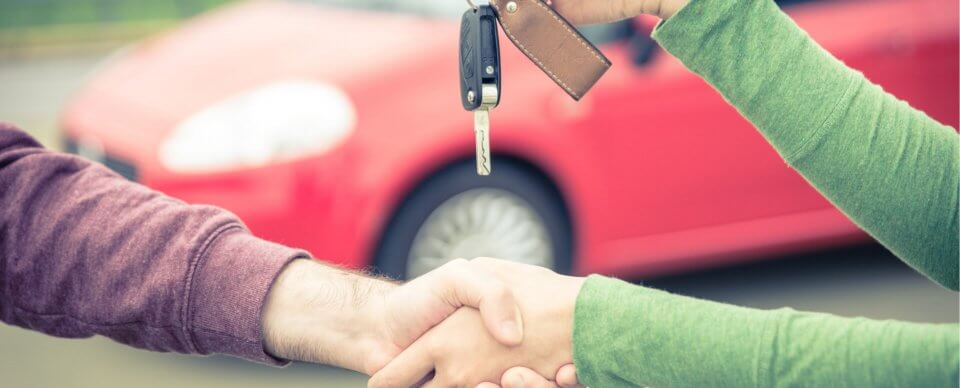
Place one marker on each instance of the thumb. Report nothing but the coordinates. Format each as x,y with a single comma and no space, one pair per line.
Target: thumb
567,377
439,293
520,377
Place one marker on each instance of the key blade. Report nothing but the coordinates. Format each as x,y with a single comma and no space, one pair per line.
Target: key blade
481,128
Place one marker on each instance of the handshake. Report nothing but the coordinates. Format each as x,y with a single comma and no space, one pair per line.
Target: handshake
478,323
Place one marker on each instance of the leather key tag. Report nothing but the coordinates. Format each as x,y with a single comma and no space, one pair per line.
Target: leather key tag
552,43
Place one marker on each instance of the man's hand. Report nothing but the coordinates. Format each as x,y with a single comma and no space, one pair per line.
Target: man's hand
318,313
606,11
459,352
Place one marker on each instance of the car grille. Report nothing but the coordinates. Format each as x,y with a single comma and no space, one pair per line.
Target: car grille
124,168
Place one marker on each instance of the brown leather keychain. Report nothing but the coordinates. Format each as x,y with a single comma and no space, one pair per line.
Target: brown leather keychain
540,33
552,44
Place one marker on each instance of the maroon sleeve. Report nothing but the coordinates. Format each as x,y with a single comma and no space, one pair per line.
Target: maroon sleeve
85,252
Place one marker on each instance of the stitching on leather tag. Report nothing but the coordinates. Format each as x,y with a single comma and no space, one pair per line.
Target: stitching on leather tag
536,60
575,35
596,54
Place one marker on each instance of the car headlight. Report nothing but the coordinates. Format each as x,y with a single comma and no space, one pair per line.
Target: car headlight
278,121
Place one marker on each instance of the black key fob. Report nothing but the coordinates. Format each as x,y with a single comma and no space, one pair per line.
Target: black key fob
479,56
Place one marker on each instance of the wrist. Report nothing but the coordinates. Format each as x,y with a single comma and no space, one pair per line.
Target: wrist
322,314
548,309
567,292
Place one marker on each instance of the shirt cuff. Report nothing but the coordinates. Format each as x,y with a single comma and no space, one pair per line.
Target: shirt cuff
228,291
583,340
601,310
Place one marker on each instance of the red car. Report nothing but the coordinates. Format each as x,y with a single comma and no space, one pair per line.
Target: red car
340,130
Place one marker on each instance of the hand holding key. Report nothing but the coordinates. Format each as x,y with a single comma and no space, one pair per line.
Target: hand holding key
596,12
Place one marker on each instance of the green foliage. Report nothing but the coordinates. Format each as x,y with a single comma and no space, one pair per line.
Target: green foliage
15,14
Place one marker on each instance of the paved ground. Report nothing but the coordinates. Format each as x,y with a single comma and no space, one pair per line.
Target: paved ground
865,281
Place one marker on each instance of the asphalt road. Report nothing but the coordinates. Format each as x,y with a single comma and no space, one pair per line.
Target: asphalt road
858,281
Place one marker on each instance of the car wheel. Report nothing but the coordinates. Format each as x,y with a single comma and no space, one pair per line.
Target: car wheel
513,214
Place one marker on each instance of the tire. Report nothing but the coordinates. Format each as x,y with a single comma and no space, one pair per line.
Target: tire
515,211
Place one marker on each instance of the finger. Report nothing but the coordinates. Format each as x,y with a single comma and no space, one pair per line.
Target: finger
567,377
436,383
520,377
505,269
461,284
411,368
487,385
496,265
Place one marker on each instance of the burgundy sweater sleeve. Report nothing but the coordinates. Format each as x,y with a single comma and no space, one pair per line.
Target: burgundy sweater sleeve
86,252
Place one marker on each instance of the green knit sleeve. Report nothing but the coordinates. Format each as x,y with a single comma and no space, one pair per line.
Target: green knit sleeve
626,335
890,168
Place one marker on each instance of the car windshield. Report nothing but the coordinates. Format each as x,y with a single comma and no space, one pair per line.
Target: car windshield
432,8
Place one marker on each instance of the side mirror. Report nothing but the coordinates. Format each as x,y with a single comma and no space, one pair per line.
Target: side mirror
641,45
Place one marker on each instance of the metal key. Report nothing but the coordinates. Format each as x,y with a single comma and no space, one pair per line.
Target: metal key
480,75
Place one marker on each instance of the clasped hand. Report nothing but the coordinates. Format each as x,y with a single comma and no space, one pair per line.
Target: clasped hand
458,352
464,324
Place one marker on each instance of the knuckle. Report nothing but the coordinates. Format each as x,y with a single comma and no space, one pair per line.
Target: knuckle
456,264
451,269
436,349
457,378
376,382
484,261
544,271
500,291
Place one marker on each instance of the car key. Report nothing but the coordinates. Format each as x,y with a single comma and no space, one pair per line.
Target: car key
480,75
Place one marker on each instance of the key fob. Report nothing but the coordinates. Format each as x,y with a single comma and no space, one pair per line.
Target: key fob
479,55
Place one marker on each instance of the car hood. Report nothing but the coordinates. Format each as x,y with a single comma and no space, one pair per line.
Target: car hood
165,79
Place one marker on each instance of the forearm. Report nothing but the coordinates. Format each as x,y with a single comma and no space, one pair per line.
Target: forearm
893,170
320,313
85,252
626,333
629,334
326,315
814,349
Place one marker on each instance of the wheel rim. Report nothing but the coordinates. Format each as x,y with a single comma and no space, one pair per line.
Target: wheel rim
481,222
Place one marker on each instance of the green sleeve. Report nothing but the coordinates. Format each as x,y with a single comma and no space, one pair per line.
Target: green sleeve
890,168
626,335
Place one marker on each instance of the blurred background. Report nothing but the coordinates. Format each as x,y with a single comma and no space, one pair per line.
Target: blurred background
336,126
